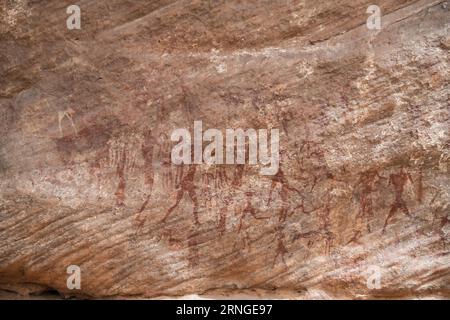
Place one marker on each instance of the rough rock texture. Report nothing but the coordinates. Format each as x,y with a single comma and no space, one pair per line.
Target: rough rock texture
85,171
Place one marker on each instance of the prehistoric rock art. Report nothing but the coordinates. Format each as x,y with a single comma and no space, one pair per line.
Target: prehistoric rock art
248,210
398,181
281,250
186,185
366,184
147,149
87,179
66,114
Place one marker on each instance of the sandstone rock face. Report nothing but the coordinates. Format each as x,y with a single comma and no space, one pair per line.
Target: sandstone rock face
86,178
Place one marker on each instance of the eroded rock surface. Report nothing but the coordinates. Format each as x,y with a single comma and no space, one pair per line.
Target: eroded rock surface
86,176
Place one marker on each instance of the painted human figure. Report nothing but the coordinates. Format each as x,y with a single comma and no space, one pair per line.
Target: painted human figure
147,148
308,147
120,171
164,155
280,178
420,185
398,181
323,231
238,175
366,182
324,225
248,210
222,221
147,153
220,177
443,222
283,118
186,185
213,180
281,250
234,180
244,239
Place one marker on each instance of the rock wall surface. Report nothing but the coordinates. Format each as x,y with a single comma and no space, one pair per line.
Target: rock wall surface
86,177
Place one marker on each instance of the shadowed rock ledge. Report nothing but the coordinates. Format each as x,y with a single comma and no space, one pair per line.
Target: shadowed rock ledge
85,171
